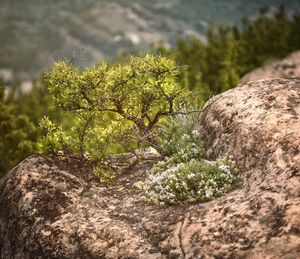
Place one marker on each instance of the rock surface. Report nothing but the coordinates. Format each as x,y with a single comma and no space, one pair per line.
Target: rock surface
52,208
286,68
259,125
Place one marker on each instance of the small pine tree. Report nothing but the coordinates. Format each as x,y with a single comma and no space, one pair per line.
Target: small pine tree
115,107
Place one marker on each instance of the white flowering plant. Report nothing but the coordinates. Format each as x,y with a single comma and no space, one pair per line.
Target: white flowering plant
184,175
196,180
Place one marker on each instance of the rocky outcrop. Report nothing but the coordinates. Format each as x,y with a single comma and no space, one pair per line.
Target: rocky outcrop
259,125
286,68
52,208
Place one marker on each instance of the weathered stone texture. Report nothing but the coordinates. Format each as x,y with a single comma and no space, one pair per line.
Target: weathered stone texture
50,208
259,125
286,68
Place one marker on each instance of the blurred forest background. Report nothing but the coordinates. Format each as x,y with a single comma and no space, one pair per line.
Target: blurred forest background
219,41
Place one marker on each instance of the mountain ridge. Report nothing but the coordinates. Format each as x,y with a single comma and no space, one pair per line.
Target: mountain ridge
43,32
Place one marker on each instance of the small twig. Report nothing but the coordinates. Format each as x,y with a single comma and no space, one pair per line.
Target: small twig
76,55
180,234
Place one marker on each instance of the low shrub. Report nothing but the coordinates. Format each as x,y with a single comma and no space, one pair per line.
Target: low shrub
184,175
178,138
195,180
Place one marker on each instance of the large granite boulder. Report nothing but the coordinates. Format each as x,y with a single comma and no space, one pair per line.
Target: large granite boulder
51,207
285,68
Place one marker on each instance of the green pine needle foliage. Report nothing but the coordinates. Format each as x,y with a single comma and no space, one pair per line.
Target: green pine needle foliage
17,135
115,108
